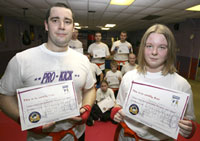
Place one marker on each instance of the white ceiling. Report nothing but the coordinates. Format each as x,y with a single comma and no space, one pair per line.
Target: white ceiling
127,18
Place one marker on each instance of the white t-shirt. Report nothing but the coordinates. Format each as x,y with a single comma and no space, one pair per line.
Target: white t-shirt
76,45
37,66
95,71
172,81
127,67
95,46
121,57
112,78
102,95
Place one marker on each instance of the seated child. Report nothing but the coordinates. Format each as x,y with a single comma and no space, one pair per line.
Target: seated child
113,77
102,93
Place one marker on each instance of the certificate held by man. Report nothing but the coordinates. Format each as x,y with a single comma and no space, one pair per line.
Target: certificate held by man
157,107
42,104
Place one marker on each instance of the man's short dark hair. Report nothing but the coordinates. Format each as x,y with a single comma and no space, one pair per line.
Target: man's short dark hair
56,5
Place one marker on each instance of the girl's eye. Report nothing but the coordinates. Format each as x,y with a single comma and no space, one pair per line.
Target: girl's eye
148,46
163,47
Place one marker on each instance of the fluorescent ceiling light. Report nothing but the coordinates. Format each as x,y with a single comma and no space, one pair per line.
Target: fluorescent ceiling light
121,2
76,24
194,8
110,25
78,27
105,28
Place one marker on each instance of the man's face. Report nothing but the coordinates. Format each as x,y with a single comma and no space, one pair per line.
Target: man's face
98,37
132,59
75,34
123,37
60,26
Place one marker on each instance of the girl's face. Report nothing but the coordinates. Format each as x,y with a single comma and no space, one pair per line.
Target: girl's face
155,52
104,87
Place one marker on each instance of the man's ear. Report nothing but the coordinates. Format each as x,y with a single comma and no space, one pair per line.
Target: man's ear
46,25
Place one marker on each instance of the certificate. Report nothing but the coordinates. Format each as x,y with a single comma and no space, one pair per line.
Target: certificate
123,50
40,105
99,53
106,104
113,80
157,107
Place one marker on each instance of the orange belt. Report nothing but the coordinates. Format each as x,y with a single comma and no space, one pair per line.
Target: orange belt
127,132
119,62
57,136
99,64
115,89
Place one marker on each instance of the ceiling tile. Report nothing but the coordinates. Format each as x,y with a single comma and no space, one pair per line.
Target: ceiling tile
166,3
38,3
144,3
78,4
150,11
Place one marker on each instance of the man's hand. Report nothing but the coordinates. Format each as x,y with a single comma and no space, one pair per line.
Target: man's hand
83,116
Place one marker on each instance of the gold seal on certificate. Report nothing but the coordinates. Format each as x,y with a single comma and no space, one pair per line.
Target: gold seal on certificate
42,104
157,107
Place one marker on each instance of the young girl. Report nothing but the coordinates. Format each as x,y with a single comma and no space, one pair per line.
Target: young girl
101,94
113,77
156,60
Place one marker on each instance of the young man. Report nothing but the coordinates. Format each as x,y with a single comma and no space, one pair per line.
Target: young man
121,48
130,65
38,65
156,65
74,43
99,51
96,71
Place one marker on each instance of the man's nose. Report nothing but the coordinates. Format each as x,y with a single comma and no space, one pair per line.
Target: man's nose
62,25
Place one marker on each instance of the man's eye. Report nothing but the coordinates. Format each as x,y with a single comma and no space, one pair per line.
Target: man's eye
54,20
68,22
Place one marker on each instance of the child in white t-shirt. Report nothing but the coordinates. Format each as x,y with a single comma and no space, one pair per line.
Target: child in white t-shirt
113,77
102,93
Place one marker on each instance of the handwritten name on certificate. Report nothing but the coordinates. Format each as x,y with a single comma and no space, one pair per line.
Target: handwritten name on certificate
39,105
157,107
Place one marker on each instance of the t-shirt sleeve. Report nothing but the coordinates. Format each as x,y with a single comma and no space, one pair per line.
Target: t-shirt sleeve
122,92
98,98
107,51
113,46
112,94
11,79
89,80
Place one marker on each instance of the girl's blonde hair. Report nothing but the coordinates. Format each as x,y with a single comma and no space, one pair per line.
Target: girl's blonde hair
169,66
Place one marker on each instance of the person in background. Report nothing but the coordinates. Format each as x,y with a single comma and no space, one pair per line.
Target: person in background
96,71
156,65
39,65
113,77
74,43
99,51
121,49
96,114
130,65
